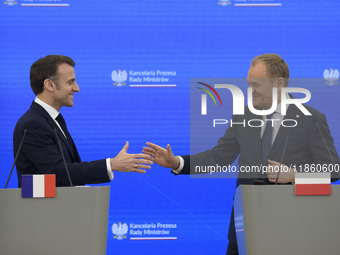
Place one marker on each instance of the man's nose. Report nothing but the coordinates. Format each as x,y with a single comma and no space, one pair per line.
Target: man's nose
76,87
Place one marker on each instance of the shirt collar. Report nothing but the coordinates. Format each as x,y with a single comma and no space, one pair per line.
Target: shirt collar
49,109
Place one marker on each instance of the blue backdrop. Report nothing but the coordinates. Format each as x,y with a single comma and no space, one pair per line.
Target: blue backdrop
159,43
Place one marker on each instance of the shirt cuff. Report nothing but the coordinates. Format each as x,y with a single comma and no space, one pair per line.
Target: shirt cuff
109,170
181,165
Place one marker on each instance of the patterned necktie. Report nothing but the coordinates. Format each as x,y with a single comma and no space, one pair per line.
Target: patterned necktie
266,140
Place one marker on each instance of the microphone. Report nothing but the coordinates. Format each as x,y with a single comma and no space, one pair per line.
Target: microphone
324,141
26,127
283,154
54,126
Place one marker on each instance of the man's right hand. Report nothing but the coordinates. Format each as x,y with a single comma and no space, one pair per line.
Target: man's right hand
125,162
163,157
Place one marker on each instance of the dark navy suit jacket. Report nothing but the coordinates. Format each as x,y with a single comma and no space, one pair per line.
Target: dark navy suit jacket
304,146
40,153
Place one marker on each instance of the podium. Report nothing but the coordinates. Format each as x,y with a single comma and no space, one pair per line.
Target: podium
272,220
74,222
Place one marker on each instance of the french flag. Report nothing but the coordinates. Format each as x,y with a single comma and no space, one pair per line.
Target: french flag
38,185
312,184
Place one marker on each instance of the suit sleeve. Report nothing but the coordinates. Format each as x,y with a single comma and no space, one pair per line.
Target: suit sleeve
40,154
222,155
319,150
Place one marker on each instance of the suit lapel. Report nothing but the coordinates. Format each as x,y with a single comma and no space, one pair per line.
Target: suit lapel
62,138
293,113
66,141
255,133
74,151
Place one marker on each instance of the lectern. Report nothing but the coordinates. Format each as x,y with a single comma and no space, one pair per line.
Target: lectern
270,219
74,222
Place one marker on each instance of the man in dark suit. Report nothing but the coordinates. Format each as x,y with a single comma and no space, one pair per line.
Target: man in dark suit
263,145
53,82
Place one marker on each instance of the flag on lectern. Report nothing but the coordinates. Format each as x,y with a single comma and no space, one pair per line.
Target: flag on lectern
38,185
312,184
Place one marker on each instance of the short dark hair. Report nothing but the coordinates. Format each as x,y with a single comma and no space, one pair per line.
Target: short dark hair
277,67
46,68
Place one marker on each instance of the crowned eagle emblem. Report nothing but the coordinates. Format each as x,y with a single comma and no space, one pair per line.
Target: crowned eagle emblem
224,3
331,76
119,230
10,2
119,77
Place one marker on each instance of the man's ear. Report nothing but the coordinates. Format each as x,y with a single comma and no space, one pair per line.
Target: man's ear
49,85
280,82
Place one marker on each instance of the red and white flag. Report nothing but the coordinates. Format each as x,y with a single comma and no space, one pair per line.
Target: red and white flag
312,184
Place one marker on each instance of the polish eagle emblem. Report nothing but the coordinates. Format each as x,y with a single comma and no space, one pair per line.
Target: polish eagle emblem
119,230
10,2
224,3
119,77
331,76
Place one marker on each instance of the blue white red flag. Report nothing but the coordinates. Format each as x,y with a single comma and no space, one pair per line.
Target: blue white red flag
38,185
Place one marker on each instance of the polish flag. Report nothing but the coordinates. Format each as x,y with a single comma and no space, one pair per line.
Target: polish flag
312,184
38,185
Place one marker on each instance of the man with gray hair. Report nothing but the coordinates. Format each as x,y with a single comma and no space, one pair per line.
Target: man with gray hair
263,145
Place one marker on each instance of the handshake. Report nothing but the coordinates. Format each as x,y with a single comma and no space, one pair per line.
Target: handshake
125,162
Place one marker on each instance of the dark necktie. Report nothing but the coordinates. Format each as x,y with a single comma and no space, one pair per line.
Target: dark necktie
266,140
70,141
62,124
